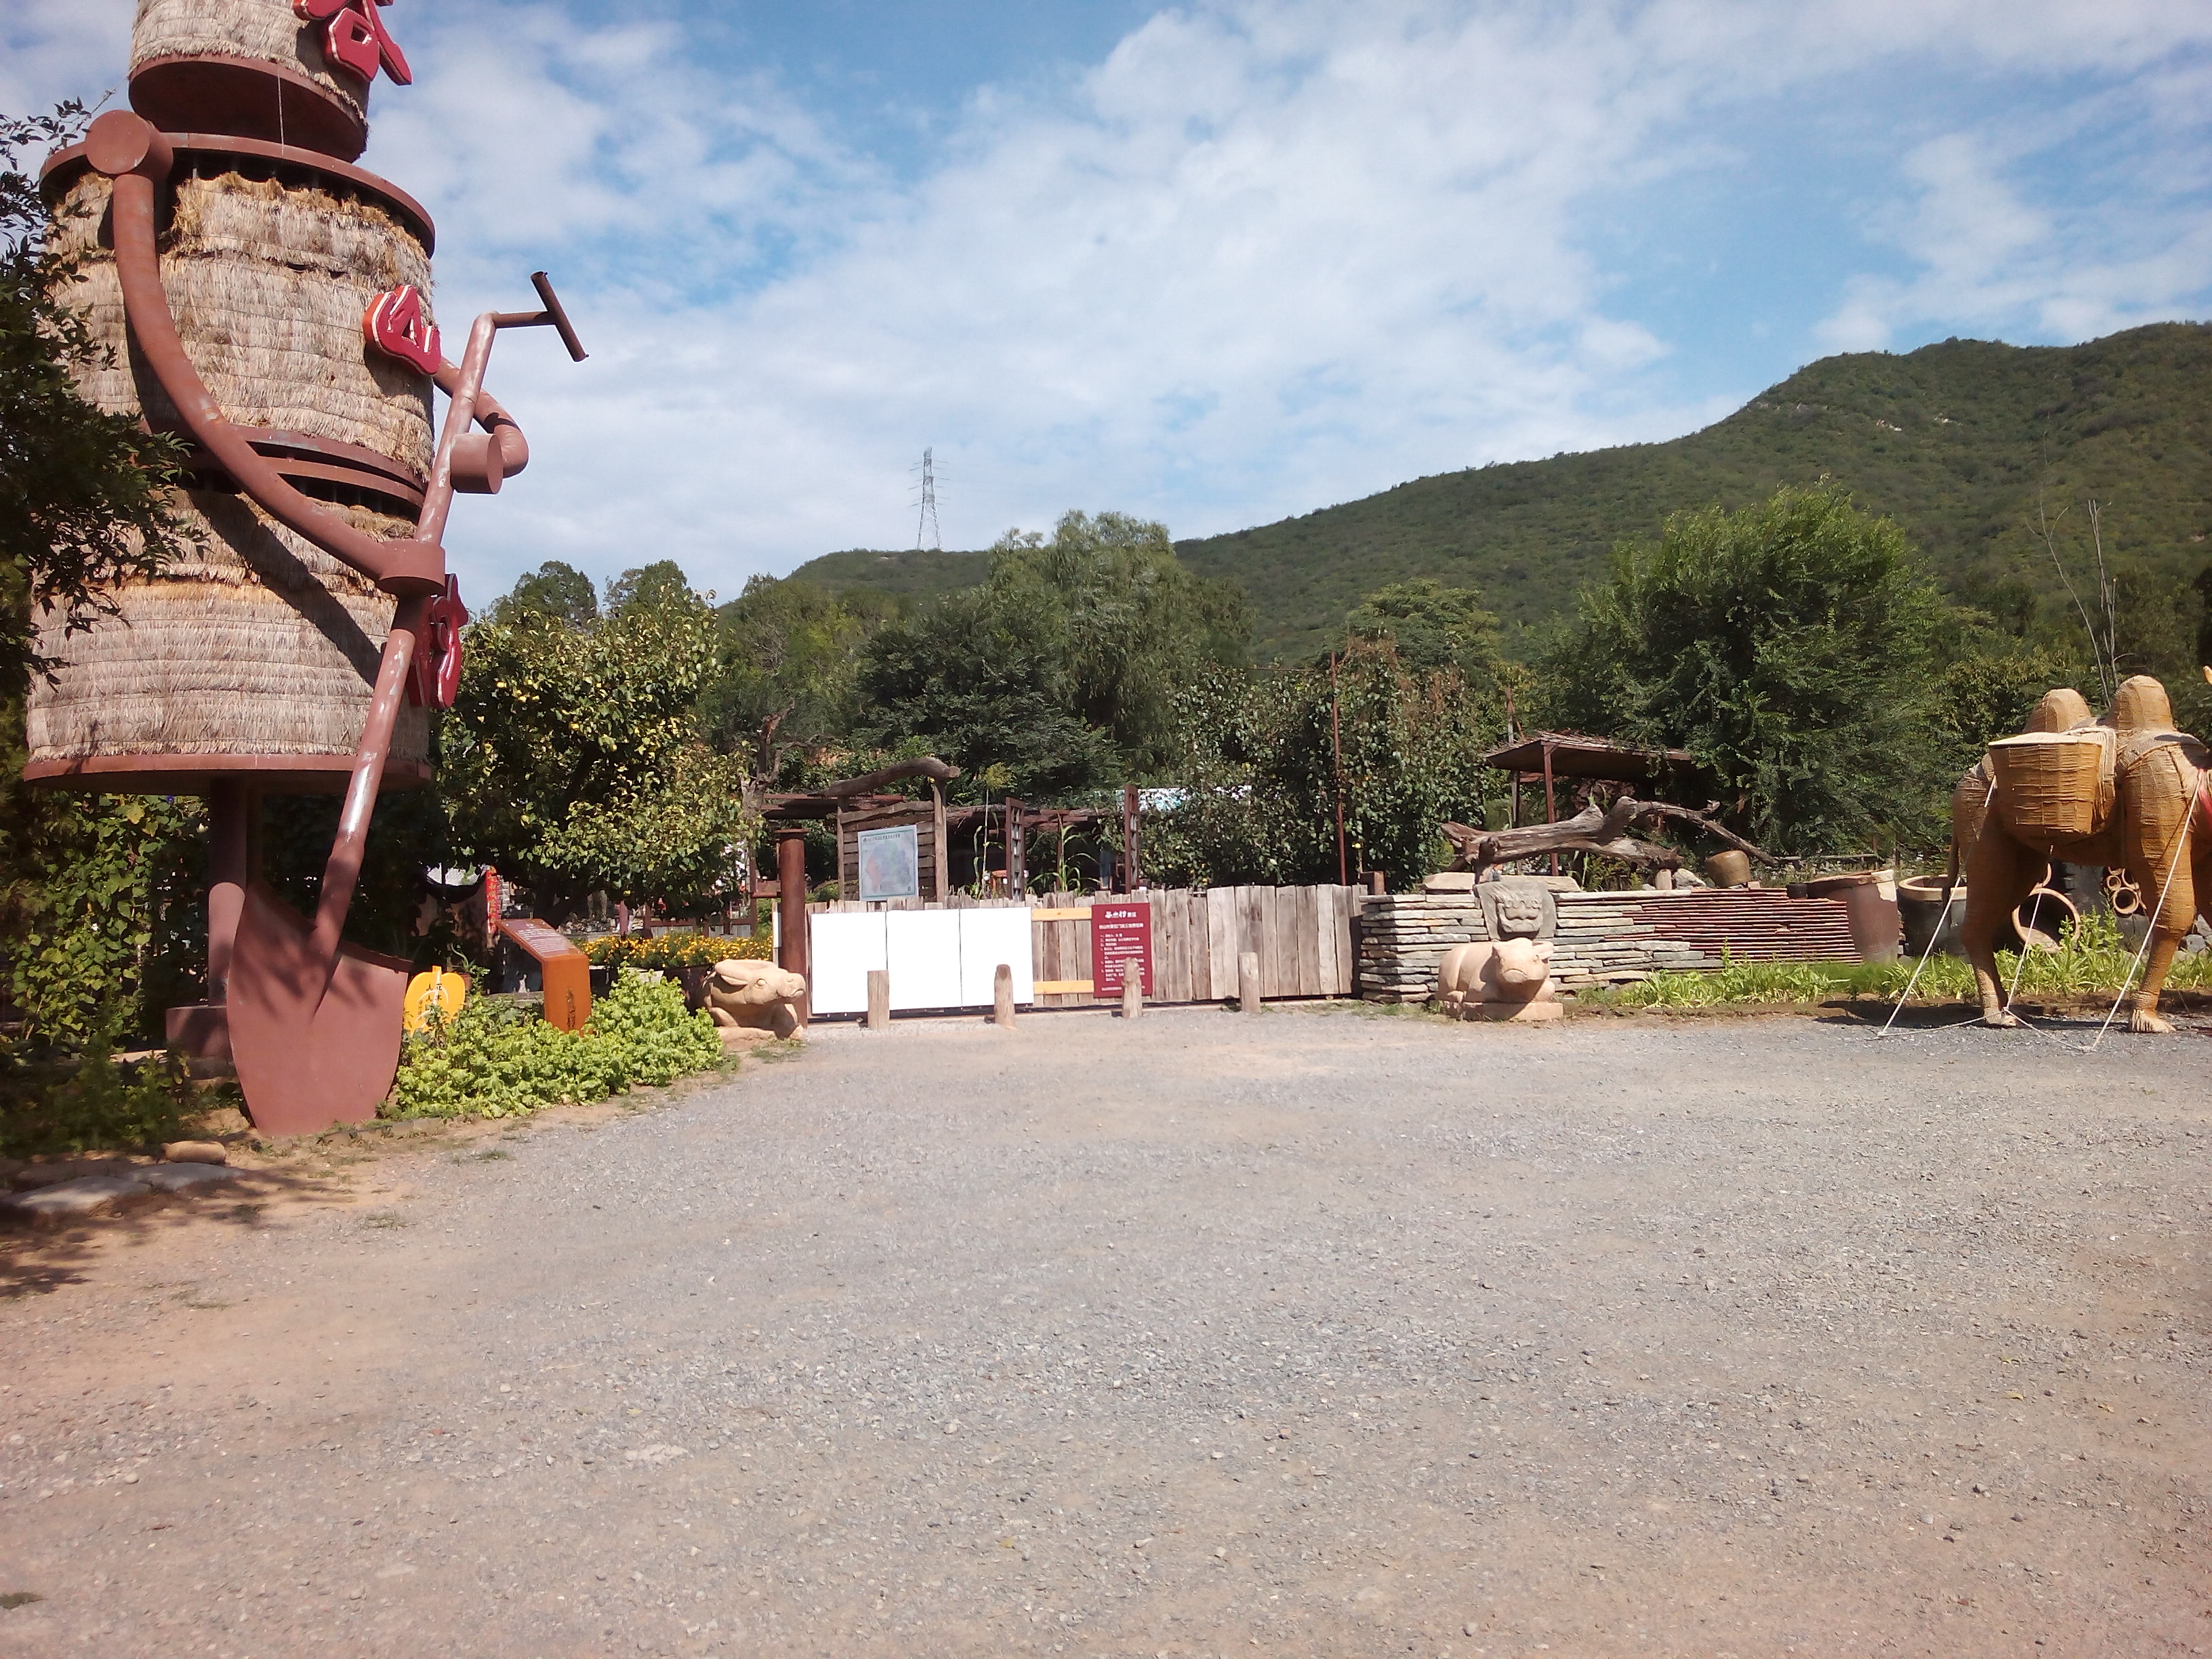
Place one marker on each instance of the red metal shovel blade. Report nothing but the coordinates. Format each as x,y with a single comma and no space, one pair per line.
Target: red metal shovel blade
315,1042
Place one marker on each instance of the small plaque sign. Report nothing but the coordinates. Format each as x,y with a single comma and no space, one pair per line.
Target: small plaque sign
1121,935
565,971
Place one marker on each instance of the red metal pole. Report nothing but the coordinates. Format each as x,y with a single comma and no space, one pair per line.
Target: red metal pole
228,872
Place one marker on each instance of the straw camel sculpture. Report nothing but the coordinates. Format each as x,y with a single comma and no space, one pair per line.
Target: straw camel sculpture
266,298
2127,792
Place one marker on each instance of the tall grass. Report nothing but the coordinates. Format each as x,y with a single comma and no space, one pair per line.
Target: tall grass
2091,960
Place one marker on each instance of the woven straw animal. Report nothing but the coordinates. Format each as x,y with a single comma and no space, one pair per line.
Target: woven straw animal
2127,793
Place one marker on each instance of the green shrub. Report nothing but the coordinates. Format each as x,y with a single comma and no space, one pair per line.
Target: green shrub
2092,960
500,1059
94,1105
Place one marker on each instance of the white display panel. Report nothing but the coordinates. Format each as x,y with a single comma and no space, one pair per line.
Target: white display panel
988,938
936,958
847,945
924,950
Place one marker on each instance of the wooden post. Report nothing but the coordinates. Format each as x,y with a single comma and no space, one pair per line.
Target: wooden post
1551,811
1378,882
1002,996
944,853
879,998
794,952
1336,749
1248,982
1132,875
1017,852
1133,992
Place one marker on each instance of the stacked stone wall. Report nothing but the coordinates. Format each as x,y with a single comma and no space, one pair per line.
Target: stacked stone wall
1602,939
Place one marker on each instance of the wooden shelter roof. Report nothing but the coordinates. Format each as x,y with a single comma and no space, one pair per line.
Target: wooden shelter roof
1574,756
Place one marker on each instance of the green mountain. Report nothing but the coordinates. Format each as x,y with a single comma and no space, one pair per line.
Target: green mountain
1960,442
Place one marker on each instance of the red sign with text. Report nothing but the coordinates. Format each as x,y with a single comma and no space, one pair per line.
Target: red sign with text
1120,933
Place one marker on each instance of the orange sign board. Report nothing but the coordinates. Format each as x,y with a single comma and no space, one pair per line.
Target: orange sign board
565,971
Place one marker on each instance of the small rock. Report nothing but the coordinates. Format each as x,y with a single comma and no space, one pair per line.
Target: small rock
183,1177
195,1152
67,1201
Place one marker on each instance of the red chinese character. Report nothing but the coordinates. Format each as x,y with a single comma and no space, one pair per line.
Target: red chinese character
356,38
395,325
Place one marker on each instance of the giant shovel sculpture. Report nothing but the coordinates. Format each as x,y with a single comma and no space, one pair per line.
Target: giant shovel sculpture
315,1022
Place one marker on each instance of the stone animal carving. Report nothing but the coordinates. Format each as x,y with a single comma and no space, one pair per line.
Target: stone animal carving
753,1002
1498,979
2126,793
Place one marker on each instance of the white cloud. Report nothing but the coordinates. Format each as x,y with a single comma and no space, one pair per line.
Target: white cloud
1268,254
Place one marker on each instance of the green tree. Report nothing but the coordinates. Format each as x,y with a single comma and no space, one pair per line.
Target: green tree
86,498
1790,646
1065,666
1257,762
1433,627
554,589
92,888
787,669
575,759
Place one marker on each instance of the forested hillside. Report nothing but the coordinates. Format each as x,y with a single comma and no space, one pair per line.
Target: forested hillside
1959,442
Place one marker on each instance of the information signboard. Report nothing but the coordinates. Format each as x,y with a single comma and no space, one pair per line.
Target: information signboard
1120,933
891,864
565,971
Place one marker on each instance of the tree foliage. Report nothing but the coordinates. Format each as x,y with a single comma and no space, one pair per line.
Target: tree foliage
1790,646
575,759
1257,765
1064,667
1432,627
789,659
86,498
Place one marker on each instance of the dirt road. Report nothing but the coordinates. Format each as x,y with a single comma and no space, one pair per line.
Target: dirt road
1325,1333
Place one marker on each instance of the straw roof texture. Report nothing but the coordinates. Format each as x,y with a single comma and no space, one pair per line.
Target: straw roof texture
263,29
259,644
268,282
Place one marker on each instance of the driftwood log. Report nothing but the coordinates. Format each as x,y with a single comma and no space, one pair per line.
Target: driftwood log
1603,831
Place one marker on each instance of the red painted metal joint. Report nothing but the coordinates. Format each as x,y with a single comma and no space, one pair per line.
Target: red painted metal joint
434,677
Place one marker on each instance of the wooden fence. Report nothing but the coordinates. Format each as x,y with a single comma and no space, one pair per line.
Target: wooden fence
1302,936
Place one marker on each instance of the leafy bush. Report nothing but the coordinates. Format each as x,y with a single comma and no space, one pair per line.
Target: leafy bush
2092,960
95,1105
500,1059
675,951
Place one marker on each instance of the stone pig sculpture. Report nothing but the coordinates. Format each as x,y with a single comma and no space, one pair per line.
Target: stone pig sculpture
1508,979
752,1002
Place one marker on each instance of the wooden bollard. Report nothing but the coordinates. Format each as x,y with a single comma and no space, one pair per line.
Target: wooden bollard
1248,982
879,998
1132,993
1002,998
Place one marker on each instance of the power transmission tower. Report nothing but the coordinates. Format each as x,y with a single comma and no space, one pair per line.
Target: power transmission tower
925,534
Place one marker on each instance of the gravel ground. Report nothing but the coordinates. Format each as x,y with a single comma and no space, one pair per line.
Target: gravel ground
1324,1333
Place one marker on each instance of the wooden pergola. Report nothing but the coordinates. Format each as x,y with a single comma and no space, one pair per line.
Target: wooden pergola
1545,756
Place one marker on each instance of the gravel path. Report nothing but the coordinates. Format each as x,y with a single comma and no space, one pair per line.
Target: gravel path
1326,1333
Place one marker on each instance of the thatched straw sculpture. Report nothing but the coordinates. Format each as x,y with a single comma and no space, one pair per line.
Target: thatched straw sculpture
256,657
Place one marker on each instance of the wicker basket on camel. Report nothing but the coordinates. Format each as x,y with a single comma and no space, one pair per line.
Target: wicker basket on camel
253,656
2055,786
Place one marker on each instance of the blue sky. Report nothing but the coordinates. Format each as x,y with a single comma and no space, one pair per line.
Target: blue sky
1221,263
